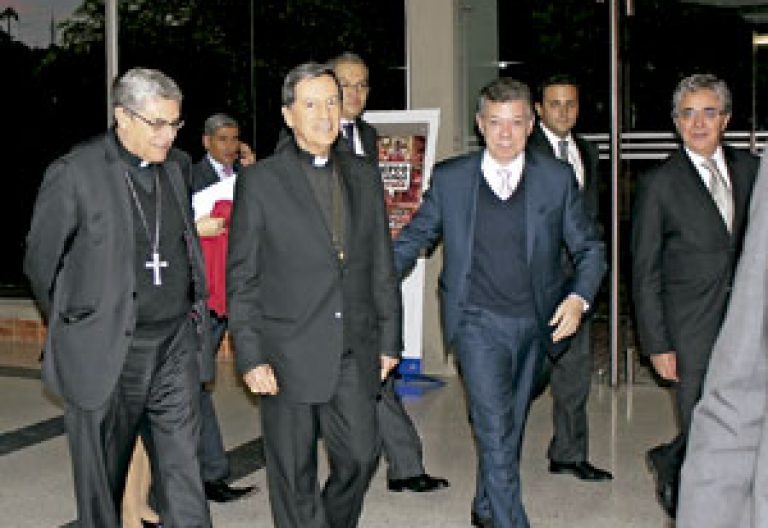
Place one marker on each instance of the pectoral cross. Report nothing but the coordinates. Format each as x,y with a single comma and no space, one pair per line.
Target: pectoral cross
155,264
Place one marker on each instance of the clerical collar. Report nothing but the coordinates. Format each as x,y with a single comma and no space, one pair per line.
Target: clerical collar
310,159
128,157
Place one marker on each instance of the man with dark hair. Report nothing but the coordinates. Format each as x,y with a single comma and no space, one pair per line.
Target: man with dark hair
213,182
314,306
503,215
570,376
687,231
400,441
114,263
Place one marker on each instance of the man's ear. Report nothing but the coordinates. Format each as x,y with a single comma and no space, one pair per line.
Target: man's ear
287,116
121,117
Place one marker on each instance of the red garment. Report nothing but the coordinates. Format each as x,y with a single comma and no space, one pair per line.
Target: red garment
215,255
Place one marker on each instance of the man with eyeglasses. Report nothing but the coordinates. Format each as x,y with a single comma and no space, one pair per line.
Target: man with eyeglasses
503,215
687,229
115,266
400,441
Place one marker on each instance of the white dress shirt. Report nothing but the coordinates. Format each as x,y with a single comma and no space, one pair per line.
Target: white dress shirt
574,156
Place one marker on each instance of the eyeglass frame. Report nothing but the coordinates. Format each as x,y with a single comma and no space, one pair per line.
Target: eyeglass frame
358,87
158,124
709,113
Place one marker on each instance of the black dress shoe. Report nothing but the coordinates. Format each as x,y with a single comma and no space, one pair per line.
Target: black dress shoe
582,470
666,492
220,491
149,524
480,522
666,486
418,484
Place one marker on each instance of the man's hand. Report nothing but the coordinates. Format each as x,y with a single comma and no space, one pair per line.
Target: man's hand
208,226
261,380
387,364
567,317
665,365
247,156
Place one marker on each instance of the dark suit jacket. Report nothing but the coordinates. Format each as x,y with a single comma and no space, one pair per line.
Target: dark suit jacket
369,138
203,174
80,264
554,216
683,257
589,157
291,304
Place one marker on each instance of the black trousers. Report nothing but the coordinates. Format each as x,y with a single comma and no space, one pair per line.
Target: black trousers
157,394
570,382
400,441
214,464
347,424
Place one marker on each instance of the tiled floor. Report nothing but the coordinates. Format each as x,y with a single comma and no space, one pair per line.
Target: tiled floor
36,488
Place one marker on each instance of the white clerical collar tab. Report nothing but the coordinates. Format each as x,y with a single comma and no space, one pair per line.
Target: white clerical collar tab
319,161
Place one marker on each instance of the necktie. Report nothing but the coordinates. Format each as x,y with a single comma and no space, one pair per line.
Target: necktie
506,187
562,149
349,134
721,195
227,170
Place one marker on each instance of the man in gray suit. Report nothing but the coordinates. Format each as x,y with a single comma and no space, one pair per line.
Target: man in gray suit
725,474
400,441
314,306
114,263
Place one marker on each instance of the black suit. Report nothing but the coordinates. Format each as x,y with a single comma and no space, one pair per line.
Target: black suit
321,324
80,262
369,138
683,260
400,441
570,376
202,175
214,464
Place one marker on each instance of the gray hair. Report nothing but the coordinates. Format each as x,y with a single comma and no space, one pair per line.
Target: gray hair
348,57
504,90
702,81
217,121
139,84
308,70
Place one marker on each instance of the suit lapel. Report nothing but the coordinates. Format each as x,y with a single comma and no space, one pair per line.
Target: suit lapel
740,191
117,174
689,177
536,200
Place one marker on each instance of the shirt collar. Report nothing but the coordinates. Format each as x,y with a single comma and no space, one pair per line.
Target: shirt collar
554,139
698,159
490,165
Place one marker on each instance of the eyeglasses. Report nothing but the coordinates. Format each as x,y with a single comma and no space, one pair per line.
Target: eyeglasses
158,124
358,87
709,113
